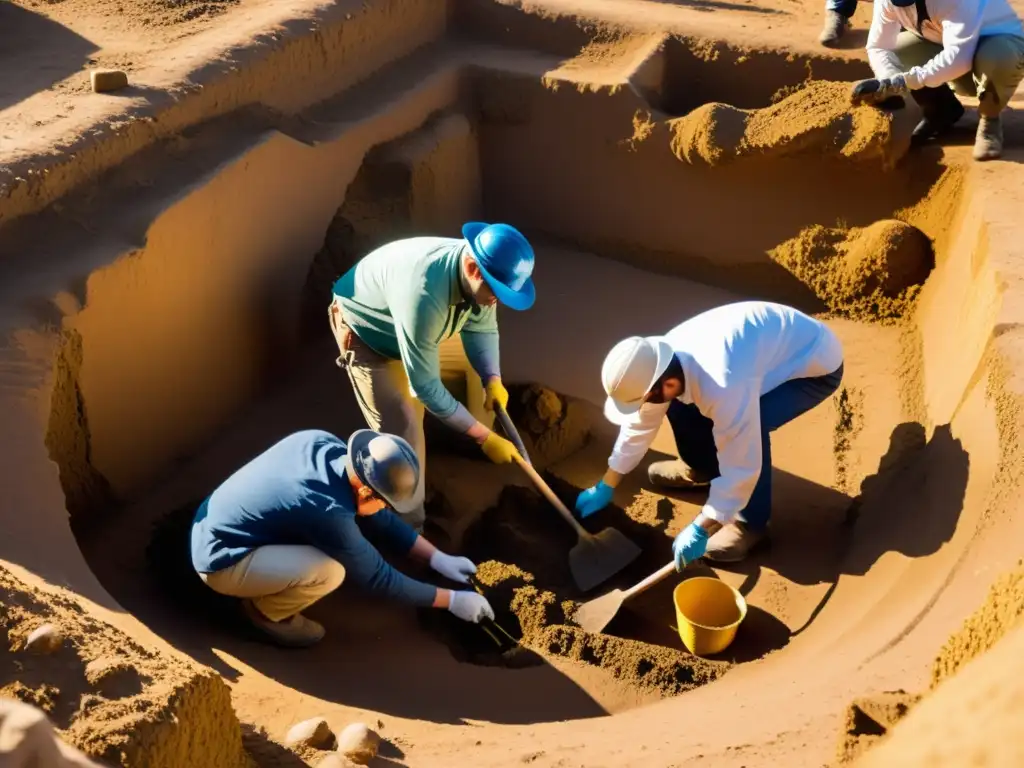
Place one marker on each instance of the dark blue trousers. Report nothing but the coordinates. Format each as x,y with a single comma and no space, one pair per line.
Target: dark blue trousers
696,443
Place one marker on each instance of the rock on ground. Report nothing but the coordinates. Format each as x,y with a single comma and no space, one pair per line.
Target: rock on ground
358,743
315,733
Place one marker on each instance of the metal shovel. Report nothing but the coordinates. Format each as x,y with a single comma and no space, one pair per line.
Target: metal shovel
596,557
594,615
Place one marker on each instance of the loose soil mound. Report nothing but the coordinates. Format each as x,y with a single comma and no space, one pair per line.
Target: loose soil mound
552,426
535,600
109,696
871,273
816,117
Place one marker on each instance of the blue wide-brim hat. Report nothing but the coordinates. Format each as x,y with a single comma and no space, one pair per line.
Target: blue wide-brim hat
505,259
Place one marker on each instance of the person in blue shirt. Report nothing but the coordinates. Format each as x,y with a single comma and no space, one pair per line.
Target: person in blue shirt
287,528
392,310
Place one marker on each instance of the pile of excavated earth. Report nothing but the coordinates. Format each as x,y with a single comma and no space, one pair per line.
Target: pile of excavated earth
182,182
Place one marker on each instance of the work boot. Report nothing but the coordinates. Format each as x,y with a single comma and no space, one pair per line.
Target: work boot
988,142
833,29
676,474
942,110
294,632
733,543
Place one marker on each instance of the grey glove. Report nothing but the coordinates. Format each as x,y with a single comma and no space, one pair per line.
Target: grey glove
878,91
470,606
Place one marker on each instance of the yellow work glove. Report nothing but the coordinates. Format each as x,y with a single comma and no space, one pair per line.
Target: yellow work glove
495,392
499,450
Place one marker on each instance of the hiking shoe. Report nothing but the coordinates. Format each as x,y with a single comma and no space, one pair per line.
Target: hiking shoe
676,474
733,543
833,29
294,632
988,142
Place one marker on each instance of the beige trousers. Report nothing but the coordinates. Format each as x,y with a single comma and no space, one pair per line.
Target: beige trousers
280,579
998,67
385,397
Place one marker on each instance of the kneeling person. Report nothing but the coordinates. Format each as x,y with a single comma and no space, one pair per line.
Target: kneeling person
725,379
288,527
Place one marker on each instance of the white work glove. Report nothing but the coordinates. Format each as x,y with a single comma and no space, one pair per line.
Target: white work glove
470,606
455,568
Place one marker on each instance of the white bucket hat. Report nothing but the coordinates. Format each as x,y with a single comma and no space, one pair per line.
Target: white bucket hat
629,371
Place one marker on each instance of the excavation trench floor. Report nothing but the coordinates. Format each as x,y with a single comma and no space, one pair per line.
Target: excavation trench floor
383,661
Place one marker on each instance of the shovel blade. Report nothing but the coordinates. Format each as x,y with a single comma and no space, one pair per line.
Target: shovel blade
596,614
597,558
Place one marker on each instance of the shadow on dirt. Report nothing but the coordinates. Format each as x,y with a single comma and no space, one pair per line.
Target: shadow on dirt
911,505
36,53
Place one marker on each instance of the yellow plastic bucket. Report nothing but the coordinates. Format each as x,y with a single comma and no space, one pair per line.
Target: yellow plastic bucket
708,613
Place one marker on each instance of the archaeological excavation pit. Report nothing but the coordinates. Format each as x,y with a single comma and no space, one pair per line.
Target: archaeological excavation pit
653,183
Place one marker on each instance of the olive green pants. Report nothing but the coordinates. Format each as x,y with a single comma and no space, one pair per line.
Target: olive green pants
998,67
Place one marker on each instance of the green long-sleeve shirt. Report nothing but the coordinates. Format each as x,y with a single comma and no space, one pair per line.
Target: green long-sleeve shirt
404,299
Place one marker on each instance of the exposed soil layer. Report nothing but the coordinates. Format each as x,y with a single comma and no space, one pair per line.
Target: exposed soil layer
105,693
535,600
870,719
815,117
1000,613
870,273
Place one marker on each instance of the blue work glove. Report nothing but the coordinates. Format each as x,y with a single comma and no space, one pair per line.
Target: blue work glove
689,545
594,499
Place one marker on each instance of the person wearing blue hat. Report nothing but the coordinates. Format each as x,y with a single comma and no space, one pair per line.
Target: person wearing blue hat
287,528
396,305
930,49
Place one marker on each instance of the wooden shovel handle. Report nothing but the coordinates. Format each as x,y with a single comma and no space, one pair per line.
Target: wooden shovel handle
550,496
650,581
510,430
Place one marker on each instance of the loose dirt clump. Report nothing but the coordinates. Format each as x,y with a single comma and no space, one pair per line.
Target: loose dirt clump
816,117
551,425
535,600
870,273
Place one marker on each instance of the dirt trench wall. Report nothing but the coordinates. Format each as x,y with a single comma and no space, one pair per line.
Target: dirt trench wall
285,70
564,163
178,335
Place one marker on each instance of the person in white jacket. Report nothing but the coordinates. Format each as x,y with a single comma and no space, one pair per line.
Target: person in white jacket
726,379
931,48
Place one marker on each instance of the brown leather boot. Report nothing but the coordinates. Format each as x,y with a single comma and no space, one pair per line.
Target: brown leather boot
733,543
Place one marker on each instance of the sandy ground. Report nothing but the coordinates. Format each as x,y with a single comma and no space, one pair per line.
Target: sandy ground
907,477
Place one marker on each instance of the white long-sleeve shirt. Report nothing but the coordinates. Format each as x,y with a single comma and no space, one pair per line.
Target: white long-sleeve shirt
956,25
731,355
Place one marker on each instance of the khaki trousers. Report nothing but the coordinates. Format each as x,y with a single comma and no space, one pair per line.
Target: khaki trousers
998,67
385,397
280,579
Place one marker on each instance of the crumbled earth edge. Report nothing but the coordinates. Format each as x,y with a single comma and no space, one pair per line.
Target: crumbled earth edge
870,719
107,695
